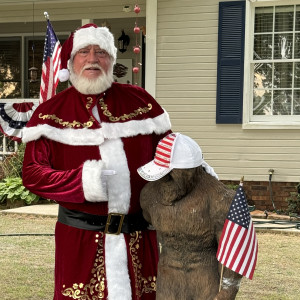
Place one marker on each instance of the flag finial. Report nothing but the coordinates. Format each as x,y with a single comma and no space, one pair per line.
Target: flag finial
46,15
242,180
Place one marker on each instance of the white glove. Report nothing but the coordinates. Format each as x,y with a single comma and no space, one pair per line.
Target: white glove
104,177
108,172
94,180
209,170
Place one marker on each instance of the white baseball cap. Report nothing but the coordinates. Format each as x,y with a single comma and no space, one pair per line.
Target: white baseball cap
175,151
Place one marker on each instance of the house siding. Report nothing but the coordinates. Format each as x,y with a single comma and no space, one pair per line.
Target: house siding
186,79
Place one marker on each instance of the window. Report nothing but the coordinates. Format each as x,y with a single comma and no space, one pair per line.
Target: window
7,146
272,64
10,71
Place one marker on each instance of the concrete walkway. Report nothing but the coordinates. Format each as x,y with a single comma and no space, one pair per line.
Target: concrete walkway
47,210
262,221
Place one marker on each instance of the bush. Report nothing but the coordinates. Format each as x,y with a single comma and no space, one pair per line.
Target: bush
12,164
294,202
13,190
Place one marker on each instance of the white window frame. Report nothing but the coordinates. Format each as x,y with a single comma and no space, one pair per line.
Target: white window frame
249,120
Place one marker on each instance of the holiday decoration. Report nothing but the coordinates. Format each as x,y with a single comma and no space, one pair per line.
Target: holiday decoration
14,117
136,48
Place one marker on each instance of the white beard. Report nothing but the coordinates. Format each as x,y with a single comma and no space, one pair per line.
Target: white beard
91,86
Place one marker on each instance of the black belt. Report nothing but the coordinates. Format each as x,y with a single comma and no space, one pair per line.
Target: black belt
113,223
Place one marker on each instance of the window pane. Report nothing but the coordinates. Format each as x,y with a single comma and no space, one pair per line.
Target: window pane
10,60
282,102
297,45
10,89
10,70
262,102
296,102
283,75
297,75
262,76
297,27
284,18
263,19
263,46
283,46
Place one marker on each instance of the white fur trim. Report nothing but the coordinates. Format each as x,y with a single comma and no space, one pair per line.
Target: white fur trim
100,36
63,75
158,125
69,136
116,268
119,194
119,190
86,136
94,185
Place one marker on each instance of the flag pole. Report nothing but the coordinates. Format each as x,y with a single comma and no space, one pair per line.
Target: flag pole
221,278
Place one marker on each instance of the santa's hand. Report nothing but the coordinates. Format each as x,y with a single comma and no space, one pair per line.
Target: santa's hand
94,180
208,169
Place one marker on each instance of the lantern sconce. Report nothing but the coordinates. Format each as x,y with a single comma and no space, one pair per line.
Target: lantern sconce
33,74
33,71
123,42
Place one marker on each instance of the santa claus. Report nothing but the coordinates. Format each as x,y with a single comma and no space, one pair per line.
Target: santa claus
83,149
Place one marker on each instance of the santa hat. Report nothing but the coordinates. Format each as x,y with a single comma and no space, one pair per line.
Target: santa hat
89,34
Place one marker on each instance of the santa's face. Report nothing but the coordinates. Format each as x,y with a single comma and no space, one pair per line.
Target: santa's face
91,62
91,70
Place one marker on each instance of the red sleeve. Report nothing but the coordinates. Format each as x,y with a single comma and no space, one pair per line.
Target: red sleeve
40,178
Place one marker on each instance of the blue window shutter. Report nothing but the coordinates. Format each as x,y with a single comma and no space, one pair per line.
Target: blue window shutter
230,62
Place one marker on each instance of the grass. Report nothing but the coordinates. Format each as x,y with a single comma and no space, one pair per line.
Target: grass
277,273
27,263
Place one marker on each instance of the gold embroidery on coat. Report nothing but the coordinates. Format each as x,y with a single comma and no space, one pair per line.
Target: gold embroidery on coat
89,102
68,124
94,290
135,113
142,284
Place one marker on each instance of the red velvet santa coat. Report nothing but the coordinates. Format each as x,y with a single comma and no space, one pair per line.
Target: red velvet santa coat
66,150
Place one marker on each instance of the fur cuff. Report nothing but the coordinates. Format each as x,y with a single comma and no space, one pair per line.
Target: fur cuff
94,187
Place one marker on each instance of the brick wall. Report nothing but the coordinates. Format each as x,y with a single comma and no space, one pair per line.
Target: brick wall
258,193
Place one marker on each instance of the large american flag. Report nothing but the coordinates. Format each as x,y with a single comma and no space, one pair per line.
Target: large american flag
238,245
51,64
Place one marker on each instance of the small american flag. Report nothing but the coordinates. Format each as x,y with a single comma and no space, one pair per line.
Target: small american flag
51,64
238,245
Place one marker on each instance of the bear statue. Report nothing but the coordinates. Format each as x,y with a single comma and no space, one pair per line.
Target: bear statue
187,206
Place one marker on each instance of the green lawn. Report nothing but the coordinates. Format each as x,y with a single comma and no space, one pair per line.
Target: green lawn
27,263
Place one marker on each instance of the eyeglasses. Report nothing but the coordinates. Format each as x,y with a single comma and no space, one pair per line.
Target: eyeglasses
98,52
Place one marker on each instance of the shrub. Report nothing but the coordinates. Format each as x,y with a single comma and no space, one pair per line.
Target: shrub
294,202
13,190
12,164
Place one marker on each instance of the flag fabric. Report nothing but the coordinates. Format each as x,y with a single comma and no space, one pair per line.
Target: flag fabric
51,64
238,245
14,117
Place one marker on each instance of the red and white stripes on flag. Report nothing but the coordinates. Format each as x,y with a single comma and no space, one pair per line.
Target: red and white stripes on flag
51,64
238,245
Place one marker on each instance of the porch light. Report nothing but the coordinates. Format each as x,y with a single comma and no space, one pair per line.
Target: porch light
123,42
33,71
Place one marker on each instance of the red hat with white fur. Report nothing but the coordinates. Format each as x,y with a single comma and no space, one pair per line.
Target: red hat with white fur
89,34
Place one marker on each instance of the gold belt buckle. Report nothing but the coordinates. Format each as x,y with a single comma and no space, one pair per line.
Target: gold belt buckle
106,231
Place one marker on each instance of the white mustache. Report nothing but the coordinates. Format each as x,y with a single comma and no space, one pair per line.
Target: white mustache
94,66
